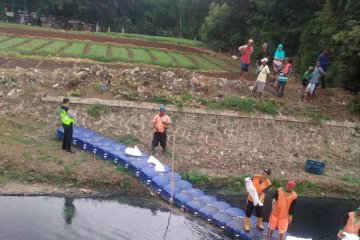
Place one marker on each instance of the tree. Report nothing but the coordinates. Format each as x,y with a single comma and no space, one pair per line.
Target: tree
216,27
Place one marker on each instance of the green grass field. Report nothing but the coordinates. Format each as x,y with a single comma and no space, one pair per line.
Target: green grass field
112,53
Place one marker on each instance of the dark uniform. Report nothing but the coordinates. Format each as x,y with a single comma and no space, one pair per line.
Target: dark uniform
67,123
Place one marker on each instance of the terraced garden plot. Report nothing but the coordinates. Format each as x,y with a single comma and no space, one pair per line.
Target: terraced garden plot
53,48
205,65
74,50
226,66
12,42
163,59
111,53
140,55
31,46
119,54
4,37
182,60
98,52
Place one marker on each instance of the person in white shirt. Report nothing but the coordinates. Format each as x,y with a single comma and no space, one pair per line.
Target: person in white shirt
259,86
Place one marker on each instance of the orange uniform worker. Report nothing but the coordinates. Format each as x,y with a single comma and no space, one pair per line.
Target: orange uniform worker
283,209
350,226
261,183
160,122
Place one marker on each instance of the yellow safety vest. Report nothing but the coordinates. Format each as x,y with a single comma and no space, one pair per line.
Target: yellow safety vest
65,119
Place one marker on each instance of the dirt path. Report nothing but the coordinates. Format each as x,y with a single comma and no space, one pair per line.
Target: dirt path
109,53
152,57
86,50
100,39
65,47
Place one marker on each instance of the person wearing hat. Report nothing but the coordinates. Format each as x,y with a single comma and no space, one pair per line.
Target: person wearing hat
67,121
262,184
350,227
261,78
284,203
160,123
261,55
246,51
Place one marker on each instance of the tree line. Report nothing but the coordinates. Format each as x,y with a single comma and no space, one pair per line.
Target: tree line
303,27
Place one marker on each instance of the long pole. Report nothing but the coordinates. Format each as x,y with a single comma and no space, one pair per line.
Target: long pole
172,170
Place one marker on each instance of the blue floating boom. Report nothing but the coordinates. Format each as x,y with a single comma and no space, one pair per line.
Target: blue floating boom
186,197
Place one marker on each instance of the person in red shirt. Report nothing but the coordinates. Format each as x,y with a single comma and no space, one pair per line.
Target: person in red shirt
160,123
246,52
283,209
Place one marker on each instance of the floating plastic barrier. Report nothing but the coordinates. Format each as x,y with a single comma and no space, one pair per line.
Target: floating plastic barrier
146,174
137,165
207,200
195,193
181,199
207,212
221,218
235,212
194,206
167,191
221,206
158,183
185,196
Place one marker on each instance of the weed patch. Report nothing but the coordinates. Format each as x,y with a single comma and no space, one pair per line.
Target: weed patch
129,140
197,178
97,110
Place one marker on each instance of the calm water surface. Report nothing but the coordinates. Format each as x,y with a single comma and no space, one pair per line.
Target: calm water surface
133,218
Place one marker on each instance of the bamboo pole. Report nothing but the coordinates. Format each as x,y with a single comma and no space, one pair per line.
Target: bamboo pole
172,170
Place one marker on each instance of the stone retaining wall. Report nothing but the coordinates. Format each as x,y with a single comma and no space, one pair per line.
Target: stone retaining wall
226,143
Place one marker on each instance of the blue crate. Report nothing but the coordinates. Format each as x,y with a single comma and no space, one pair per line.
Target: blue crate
315,167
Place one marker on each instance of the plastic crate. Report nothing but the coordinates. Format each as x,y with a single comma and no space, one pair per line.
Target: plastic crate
315,167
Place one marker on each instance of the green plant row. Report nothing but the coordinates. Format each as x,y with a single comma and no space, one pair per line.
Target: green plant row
181,41
112,53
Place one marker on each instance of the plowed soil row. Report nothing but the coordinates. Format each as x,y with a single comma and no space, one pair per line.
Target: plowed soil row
10,63
100,39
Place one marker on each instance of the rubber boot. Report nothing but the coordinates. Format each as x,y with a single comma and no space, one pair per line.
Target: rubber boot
247,224
259,224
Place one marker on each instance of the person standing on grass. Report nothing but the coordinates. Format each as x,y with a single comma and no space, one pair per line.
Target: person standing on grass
246,51
305,81
311,87
67,121
284,203
278,60
261,78
262,54
160,122
323,58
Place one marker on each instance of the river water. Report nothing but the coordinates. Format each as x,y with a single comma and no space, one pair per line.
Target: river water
132,218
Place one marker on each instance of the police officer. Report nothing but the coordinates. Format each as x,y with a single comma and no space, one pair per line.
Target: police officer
67,121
